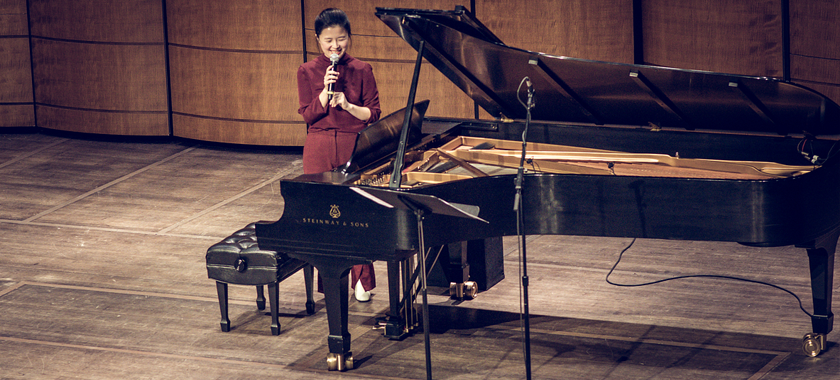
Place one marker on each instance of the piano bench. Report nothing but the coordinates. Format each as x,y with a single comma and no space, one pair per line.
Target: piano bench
239,260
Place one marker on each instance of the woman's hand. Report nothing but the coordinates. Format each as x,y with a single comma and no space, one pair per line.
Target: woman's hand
330,77
339,100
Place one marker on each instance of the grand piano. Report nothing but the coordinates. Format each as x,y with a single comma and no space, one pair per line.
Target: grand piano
613,149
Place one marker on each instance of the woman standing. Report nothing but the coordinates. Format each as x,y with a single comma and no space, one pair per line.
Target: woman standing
335,118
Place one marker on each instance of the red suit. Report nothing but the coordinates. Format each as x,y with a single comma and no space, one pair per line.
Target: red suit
332,131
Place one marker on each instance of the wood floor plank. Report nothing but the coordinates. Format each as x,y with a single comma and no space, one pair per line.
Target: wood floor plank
164,195
63,172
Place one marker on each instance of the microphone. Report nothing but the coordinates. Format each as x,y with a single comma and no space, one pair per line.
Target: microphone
530,93
334,61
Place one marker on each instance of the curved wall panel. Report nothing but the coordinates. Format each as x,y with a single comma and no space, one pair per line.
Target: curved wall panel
594,29
232,70
222,95
815,45
107,21
262,25
99,77
16,106
99,66
727,36
13,18
240,131
103,122
589,29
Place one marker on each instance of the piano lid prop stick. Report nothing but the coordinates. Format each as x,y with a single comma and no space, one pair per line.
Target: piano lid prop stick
399,161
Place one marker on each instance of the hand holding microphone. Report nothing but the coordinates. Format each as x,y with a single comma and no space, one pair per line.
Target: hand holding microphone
334,62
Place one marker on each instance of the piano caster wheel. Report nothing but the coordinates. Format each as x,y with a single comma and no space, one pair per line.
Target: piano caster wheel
465,290
338,362
470,289
348,362
813,344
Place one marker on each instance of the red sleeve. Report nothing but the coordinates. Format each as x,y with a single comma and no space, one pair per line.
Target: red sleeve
310,106
370,95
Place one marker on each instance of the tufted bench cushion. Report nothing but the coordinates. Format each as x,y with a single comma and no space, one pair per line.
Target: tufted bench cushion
238,260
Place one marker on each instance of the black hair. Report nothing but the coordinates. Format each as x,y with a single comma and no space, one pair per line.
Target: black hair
331,17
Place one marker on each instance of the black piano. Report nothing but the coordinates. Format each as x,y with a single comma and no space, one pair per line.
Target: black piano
614,150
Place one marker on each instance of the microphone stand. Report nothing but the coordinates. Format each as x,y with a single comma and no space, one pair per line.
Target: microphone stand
520,226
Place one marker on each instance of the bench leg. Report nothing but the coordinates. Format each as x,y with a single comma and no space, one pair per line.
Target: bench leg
260,298
308,279
274,300
222,290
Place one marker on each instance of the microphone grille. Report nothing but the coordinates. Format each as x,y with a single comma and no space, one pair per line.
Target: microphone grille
334,58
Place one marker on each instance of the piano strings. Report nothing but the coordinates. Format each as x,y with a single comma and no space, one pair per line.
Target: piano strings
469,157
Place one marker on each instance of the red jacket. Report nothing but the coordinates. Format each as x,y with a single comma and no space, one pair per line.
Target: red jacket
355,80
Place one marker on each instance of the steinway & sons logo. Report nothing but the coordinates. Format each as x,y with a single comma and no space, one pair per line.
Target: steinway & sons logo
335,214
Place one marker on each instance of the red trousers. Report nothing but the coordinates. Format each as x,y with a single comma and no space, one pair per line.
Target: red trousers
324,151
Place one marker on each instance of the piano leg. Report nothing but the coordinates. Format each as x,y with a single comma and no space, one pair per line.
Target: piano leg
336,296
334,272
821,261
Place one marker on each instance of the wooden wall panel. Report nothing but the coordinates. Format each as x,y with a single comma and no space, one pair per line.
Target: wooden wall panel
13,16
99,76
234,85
135,21
103,122
16,105
15,71
820,74
728,36
815,28
17,115
447,100
264,25
240,131
99,66
589,29
232,70
815,45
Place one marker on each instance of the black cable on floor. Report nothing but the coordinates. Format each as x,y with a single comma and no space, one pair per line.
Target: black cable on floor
698,275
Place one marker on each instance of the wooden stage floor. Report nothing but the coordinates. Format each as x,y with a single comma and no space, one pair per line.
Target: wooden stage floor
102,276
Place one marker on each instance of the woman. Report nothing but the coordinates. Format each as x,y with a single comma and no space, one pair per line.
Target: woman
333,121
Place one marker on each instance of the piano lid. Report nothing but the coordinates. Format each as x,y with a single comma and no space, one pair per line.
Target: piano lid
584,91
